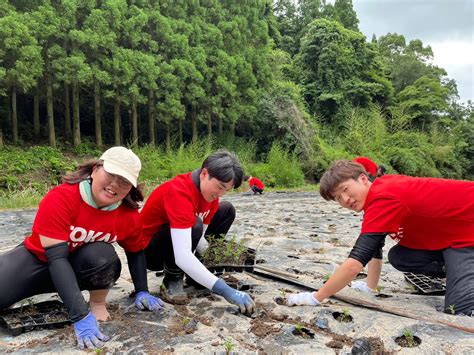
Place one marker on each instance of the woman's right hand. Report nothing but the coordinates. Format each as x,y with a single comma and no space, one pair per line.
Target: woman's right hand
88,333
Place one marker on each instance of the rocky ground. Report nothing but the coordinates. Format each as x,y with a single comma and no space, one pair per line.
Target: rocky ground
296,233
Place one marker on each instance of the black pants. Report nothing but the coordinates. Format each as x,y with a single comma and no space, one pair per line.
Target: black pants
456,264
256,189
23,275
159,251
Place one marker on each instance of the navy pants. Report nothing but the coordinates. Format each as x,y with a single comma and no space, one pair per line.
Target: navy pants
22,275
457,264
159,251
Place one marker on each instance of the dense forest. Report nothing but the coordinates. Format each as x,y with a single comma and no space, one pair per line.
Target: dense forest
294,77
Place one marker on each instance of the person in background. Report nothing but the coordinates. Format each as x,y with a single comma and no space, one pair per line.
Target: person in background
256,185
70,248
373,170
178,217
431,219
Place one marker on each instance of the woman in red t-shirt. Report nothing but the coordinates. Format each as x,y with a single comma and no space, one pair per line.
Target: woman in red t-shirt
70,247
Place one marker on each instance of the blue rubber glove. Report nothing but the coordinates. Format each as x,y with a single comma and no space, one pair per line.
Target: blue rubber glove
241,299
144,301
88,333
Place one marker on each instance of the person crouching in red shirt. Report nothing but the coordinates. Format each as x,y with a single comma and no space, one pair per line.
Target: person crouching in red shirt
70,248
177,218
431,219
256,185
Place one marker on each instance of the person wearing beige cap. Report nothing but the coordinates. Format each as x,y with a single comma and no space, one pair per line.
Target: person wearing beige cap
70,247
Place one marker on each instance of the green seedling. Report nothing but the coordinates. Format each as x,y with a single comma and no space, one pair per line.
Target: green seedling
282,293
186,321
326,277
298,327
452,309
345,315
228,345
408,334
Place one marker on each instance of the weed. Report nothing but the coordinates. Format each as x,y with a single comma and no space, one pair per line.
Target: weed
345,315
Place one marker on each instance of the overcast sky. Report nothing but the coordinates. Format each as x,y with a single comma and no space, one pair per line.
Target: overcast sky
446,25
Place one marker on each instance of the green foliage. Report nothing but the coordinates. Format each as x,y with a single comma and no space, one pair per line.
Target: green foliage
281,168
228,345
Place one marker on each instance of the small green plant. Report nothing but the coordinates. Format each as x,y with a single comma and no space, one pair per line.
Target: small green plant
408,334
222,251
228,345
98,351
282,293
346,314
298,328
326,277
451,309
186,321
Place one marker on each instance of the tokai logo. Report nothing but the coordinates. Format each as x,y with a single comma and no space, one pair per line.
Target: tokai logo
80,235
203,215
397,236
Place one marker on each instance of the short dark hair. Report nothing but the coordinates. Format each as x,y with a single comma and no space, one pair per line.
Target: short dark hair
224,166
339,171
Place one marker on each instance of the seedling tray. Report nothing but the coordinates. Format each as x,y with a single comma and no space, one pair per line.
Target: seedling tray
427,285
247,265
48,314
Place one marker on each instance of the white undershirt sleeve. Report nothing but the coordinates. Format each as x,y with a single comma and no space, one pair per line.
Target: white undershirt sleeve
187,261
203,243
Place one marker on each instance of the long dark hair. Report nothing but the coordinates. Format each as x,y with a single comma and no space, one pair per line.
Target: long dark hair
84,172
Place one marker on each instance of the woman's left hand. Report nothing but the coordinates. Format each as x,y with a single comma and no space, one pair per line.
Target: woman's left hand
145,301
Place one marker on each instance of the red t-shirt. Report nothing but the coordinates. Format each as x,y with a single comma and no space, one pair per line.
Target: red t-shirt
63,215
257,182
421,213
177,202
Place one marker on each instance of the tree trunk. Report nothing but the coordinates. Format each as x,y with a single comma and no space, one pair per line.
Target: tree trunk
151,119
168,138
194,123
209,126
1,136
180,131
117,121
134,123
232,129
49,105
67,113
219,125
36,119
14,117
98,120
76,123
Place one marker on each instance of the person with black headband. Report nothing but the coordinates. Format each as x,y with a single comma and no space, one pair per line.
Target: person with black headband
70,248
180,216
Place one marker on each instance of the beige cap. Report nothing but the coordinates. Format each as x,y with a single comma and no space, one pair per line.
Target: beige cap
123,162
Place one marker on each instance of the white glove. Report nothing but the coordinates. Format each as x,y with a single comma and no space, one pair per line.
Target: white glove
362,287
302,299
202,245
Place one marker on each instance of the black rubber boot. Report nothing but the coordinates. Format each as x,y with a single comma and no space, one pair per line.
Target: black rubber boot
171,289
